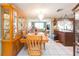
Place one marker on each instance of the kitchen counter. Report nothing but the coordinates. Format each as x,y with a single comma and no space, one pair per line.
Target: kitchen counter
65,38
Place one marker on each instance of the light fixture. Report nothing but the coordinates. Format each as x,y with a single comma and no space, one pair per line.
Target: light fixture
41,16
40,12
65,16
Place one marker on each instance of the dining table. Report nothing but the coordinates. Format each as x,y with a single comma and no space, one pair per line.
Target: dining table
44,38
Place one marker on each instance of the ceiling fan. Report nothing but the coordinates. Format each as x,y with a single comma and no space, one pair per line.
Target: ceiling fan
58,10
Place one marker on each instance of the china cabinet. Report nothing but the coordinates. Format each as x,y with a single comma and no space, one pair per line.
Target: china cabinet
11,29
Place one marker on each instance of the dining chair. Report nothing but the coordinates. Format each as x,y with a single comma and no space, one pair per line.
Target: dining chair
34,45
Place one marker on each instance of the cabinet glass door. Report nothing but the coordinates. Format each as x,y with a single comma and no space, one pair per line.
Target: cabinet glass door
19,24
6,24
14,24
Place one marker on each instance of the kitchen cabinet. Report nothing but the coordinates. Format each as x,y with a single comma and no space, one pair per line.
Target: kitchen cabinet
66,38
64,32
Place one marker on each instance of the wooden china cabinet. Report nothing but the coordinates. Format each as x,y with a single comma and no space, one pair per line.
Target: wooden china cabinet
11,30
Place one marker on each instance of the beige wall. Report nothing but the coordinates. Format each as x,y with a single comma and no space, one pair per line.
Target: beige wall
0,31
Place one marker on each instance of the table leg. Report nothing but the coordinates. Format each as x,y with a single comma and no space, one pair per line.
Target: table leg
44,45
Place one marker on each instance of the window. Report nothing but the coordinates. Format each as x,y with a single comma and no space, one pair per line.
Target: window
39,25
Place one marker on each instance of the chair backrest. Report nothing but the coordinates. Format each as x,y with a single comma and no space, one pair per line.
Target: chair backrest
34,45
34,41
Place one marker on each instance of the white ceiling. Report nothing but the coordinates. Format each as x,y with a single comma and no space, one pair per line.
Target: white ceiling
51,8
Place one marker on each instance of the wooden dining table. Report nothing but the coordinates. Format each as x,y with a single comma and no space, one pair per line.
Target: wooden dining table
44,38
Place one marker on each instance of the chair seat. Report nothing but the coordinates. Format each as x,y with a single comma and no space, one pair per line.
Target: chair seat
35,48
34,53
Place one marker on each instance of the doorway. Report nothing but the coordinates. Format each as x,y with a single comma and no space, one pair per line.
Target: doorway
42,25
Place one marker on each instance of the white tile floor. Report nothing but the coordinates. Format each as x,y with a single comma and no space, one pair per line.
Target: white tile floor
52,49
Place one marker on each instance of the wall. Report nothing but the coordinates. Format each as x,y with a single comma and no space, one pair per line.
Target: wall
0,30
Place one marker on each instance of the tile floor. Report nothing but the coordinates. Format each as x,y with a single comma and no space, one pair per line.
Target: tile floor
52,49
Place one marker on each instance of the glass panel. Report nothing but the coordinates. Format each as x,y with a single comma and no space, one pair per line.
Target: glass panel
19,24
39,25
14,24
6,16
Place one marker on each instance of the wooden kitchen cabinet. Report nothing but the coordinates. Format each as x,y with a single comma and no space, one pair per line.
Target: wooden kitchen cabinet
66,38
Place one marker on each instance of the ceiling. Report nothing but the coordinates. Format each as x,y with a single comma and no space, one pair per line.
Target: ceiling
51,9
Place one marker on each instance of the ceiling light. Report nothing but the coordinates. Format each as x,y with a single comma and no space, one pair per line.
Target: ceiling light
40,12
40,16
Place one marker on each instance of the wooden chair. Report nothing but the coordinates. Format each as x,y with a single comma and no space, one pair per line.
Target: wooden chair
34,45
